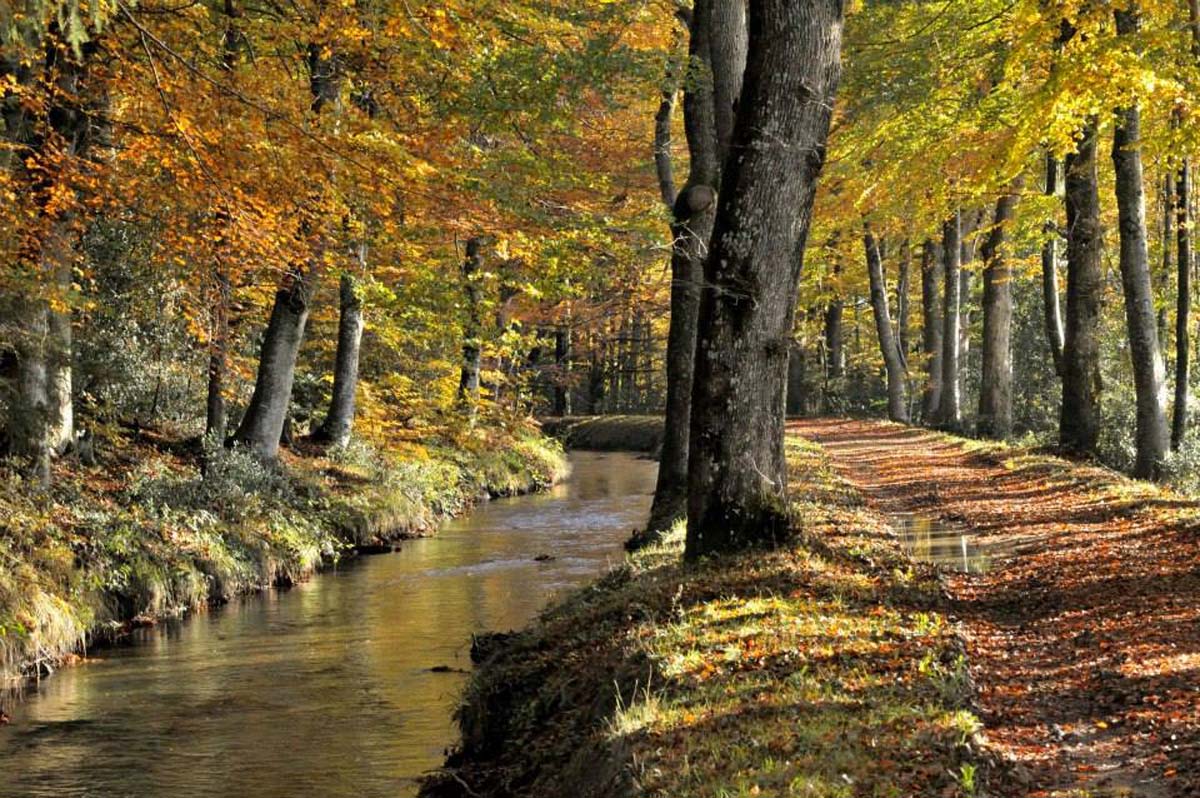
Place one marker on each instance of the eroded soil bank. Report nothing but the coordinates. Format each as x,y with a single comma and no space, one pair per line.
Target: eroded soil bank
1085,646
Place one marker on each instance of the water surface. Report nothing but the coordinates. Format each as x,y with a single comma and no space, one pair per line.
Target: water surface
325,689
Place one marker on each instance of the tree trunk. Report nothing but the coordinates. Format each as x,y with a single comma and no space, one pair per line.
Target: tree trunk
1149,377
1079,423
694,212
996,390
216,413
737,475
472,348
892,360
931,337
262,425
1183,303
728,40
1050,303
949,414
562,363
663,163
902,320
339,421
835,349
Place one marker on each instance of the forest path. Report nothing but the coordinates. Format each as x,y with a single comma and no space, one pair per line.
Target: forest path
1085,644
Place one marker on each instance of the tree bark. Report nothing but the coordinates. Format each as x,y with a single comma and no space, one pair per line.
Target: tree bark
995,395
338,425
729,40
902,312
263,424
694,212
892,360
1183,303
1052,313
949,414
1149,377
737,475
931,337
472,348
216,412
562,364
1079,423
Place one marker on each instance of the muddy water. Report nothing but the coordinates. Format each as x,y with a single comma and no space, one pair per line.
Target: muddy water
326,689
946,545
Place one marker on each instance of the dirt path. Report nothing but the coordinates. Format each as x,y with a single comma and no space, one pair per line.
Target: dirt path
1085,646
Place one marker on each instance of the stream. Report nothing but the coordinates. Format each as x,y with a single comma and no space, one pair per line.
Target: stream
329,688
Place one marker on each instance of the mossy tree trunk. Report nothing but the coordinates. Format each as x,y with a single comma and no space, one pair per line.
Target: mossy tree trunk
737,473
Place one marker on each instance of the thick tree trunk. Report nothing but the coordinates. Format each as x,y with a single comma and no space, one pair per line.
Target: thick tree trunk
472,348
216,412
931,329
28,423
1079,423
892,360
694,212
949,414
737,475
263,424
996,390
1183,303
1149,377
1051,309
338,425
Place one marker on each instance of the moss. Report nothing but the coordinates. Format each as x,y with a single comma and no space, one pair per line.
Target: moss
145,536
826,667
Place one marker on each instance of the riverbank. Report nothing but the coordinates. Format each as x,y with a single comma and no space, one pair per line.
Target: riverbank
143,536
826,668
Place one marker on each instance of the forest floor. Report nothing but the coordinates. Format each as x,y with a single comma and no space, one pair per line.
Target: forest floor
1084,640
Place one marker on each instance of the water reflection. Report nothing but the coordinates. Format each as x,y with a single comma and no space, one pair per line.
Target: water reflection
327,689
931,540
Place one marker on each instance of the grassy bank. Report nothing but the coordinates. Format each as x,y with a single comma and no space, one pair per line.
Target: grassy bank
826,668
608,433
144,535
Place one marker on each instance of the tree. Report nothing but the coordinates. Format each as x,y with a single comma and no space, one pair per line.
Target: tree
1079,422
737,473
931,336
1149,376
995,395
893,358
949,413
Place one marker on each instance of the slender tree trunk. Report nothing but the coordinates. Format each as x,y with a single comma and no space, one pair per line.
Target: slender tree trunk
338,425
562,362
1183,303
262,426
694,212
1149,376
728,40
1079,423
1052,313
737,474
996,391
835,347
931,337
892,360
949,413
216,413
902,313
472,348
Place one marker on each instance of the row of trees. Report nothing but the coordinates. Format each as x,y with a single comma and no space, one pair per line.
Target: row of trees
996,140
314,205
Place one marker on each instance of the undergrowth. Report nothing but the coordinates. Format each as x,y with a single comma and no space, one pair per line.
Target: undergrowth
159,528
